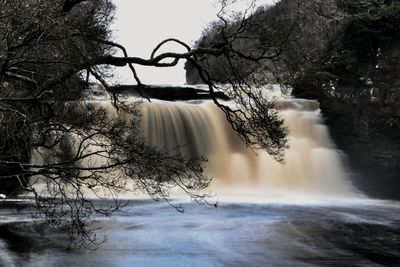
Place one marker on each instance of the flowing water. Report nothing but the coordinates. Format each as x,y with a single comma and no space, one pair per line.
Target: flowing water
341,233
312,163
302,213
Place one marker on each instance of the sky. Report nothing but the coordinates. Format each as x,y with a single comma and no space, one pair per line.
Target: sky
141,24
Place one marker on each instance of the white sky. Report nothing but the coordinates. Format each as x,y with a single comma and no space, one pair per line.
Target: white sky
141,24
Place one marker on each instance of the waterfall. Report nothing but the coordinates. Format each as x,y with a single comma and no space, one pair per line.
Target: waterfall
312,163
312,167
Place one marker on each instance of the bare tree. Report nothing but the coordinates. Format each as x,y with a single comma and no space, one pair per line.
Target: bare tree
48,50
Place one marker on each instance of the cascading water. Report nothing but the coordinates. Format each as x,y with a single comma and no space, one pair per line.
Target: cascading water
312,165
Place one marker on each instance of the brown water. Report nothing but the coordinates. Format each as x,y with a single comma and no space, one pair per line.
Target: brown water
312,164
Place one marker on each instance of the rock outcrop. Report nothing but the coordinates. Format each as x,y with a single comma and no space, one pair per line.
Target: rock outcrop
168,93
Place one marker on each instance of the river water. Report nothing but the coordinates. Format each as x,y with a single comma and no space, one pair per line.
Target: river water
344,233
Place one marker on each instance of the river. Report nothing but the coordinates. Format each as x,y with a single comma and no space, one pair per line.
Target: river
344,233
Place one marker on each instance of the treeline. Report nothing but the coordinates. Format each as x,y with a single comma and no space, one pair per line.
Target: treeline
324,43
290,36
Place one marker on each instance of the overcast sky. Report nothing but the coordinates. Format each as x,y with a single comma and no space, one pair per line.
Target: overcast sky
141,24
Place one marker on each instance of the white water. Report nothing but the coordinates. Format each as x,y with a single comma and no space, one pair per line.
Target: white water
312,167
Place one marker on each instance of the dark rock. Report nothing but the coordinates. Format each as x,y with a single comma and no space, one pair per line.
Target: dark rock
169,93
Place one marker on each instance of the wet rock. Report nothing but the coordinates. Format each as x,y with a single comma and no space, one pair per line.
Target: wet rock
169,93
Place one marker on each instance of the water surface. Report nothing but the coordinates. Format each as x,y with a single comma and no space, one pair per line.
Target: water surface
355,233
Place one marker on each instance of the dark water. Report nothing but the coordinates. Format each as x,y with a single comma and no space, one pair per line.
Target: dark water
355,233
